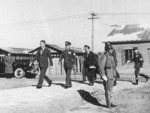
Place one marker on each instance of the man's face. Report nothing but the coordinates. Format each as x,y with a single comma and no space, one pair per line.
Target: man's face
136,51
108,43
111,51
86,49
67,46
42,44
9,54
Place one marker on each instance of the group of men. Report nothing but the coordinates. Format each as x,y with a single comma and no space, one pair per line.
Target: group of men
104,64
42,57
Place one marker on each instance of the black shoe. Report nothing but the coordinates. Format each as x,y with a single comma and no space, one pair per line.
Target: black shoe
66,87
38,87
108,106
112,105
83,81
115,83
147,79
90,84
50,83
137,82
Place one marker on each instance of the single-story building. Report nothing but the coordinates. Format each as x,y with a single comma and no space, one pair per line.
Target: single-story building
56,51
20,55
124,39
17,53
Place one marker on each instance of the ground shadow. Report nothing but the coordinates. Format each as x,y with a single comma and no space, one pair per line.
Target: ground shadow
89,98
60,84
42,85
8,76
79,81
99,82
144,76
131,81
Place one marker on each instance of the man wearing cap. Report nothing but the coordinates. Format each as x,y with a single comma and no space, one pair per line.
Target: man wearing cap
69,62
107,46
90,64
107,70
138,60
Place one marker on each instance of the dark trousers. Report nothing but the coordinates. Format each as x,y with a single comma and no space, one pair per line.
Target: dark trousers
136,72
68,78
9,75
84,73
43,76
91,75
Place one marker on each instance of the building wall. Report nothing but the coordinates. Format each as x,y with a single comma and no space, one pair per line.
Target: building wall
143,48
59,69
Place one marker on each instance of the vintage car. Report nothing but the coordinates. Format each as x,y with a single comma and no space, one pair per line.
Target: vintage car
21,68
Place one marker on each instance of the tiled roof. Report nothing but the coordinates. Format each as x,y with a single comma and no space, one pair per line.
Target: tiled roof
55,49
144,33
15,50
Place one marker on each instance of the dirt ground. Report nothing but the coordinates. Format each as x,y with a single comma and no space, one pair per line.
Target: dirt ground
126,100
127,97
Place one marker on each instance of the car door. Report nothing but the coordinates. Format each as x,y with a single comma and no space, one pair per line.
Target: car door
2,65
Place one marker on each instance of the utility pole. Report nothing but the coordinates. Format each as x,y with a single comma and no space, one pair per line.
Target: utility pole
92,34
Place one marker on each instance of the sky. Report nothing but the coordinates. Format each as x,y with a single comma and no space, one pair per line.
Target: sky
23,23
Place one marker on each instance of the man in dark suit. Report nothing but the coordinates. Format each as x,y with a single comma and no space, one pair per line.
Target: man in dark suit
90,64
69,62
138,60
42,57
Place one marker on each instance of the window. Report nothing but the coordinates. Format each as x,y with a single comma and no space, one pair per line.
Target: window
127,55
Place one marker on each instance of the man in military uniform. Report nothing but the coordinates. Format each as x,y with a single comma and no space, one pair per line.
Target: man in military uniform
107,70
69,62
114,54
138,60
89,63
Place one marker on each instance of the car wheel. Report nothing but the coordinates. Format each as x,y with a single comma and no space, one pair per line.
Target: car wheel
19,73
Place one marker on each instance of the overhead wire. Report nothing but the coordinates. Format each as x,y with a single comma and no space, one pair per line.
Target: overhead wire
28,22
50,20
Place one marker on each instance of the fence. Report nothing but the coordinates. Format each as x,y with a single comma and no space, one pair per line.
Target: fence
59,69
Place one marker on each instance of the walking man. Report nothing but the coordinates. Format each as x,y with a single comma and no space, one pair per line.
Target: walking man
69,62
89,64
83,70
114,54
107,70
138,60
42,57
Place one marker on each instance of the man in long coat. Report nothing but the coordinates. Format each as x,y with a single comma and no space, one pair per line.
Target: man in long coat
8,60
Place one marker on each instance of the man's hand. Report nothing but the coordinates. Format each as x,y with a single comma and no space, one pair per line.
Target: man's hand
51,67
59,63
104,78
141,68
30,63
73,67
92,67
